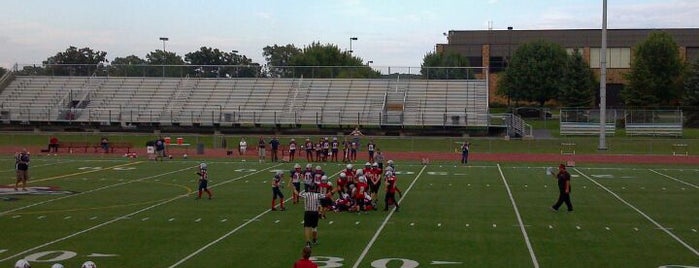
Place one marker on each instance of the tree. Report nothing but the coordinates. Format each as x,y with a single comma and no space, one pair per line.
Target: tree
690,99
278,59
436,66
128,66
579,83
655,72
534,73
337,64
210,62
83,61
3,71
161,58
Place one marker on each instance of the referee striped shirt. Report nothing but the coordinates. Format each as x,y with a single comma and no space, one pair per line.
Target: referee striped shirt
312,200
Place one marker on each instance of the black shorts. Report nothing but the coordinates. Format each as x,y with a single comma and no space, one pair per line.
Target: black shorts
310,219
277,193
22,166
326,202
297,186
374,188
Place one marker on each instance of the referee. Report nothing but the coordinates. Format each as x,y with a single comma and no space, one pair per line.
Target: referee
310,214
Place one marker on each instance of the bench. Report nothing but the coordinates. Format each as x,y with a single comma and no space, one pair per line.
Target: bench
567,148
115,145
674,130
584,129
680,149
71,145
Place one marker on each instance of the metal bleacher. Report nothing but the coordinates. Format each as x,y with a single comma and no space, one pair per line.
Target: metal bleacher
226,102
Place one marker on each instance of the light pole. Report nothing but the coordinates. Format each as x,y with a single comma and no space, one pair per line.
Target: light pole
164,39
507,62
352,39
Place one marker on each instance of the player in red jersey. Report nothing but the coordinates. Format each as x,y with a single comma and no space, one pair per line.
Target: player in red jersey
277,182
342,183
326,188
308,146
374,181
317,175
360,190
391,190
203,180
296,178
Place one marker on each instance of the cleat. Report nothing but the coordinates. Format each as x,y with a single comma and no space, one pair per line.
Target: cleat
554,210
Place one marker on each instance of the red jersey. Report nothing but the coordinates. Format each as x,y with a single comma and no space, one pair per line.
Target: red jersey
326,188
361,188
342,182
391,186
350,174
375,175
305,263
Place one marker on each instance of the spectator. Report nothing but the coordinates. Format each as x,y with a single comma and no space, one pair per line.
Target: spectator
305,261
261,150
104,143
464,152
160,149
242,147
53,144
274,143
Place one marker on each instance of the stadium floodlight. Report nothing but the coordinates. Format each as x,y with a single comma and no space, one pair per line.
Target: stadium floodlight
164,39
352,39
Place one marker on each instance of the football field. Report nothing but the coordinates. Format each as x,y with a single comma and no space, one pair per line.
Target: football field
137,213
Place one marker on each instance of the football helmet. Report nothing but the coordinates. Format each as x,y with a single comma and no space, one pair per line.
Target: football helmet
343,175
22,263
89,264
349,166
203,166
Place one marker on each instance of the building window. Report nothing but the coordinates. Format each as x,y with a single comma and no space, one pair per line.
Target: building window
617,57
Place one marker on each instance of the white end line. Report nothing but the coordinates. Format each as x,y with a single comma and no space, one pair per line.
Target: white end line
675,179
519,219
642,214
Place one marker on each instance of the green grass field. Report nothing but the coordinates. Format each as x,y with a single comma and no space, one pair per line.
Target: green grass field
122,213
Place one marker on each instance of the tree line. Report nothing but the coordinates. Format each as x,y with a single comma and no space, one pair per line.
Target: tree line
538,71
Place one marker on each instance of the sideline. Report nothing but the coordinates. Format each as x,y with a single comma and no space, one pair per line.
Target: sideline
385,221
519,219
125,216
674,179
663,228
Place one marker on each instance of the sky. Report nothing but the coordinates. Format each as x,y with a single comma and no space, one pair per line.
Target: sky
389,32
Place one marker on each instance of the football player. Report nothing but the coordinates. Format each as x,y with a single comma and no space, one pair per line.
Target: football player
326,188
277,182
296,177
203,180
391,190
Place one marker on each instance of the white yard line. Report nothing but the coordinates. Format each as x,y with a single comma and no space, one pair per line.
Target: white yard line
693,250
247,221
519,219
125,216
388,217
675,179
90,191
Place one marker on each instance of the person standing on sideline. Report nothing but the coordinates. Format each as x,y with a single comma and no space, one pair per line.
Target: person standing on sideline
242,147
53,145
370,148
104,143
379,158
22,168
308,146
310,215
261,149
464,152
274,143
160,149
305,261
292,150
203,180
563,187
276,192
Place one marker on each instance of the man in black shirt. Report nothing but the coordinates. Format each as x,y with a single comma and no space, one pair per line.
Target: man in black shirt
564,188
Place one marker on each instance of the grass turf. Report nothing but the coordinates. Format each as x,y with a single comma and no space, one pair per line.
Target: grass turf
125,213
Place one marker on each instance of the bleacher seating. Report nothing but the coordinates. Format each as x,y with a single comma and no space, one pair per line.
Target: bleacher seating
225,101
